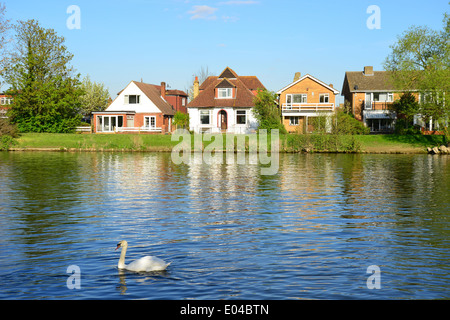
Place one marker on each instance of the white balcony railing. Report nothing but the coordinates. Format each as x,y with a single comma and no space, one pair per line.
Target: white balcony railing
307,107
138,129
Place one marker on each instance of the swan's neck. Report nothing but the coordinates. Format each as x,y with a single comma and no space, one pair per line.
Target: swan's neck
121,264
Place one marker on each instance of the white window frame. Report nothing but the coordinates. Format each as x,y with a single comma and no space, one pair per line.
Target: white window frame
110,127
127,99
150,122
245,115
202,113
390,97
224,93
325,97
303,98
368,102
183,102
293,121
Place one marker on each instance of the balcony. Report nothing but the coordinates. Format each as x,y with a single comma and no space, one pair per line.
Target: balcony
299,108
378,105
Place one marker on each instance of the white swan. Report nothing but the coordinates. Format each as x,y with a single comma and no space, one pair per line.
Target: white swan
147,263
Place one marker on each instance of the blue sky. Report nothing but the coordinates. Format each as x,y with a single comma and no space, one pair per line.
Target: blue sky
171,40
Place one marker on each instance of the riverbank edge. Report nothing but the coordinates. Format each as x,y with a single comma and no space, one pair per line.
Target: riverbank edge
165,149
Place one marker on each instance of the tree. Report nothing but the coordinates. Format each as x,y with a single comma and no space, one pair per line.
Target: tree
95,97
267,112
181,120
203,73
5,26
420,60
407,106
45,93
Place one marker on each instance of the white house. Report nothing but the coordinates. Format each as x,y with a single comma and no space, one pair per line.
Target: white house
224,104
140,107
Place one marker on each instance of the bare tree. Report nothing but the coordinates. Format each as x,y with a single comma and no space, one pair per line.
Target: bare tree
203,73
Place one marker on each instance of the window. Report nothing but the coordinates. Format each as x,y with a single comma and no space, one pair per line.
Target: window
296,98
324,98
150,122
390,97
205,117
183,102
383,97
109,123
132,99
293,121
224,93
368,101
241,117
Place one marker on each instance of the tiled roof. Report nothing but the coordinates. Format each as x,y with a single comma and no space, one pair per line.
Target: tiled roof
155,96
244,86
357,81
176,93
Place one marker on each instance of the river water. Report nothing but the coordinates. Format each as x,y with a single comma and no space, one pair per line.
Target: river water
325,226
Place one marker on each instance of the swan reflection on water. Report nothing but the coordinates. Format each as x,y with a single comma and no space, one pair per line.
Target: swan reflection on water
139,277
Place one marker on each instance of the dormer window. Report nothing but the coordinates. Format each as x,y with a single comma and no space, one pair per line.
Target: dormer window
225,93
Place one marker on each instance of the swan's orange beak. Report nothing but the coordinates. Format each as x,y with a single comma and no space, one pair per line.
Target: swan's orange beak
118,246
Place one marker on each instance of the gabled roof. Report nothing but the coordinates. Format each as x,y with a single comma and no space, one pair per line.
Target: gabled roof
228,73
244,87
312,78
225,83
154,95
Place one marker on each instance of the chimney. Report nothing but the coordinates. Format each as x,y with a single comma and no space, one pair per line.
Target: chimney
368,71
331,85
297,76
196,87
163,90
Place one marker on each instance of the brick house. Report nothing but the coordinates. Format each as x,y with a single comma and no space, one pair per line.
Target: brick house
176,98
305,98
140,107
224,103
370,95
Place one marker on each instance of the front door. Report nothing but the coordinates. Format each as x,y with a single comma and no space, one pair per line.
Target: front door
223,120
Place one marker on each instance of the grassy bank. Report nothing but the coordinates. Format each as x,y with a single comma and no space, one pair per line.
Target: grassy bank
288,143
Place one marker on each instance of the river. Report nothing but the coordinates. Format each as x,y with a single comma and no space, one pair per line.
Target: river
325,226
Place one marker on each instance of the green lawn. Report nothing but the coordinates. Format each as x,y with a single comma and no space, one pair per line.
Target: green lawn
96,141
398,143
158,142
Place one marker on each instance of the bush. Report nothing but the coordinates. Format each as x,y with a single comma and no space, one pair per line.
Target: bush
322,142
344,123
402,128
8,129
6,142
